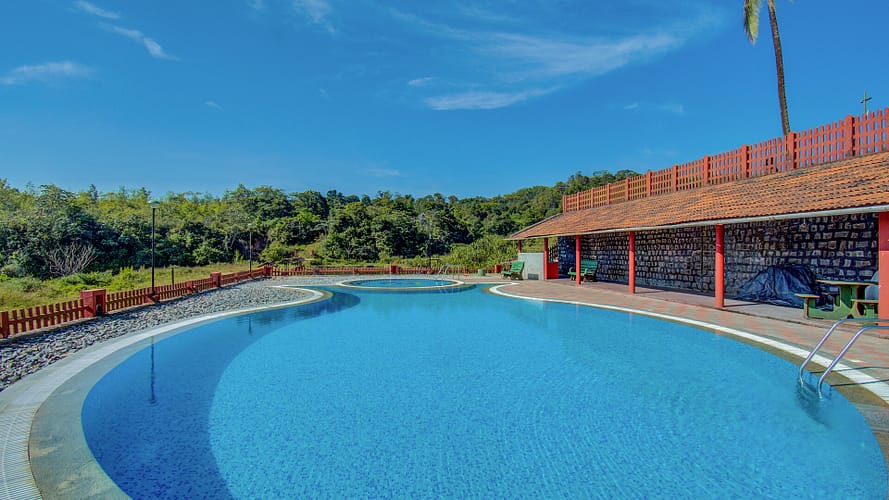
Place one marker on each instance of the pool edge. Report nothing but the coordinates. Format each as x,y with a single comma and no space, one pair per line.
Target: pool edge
21,402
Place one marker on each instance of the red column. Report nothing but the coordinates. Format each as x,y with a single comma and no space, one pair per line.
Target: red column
883,264
216,279
520,246
545,257
632,262
720,266
578,276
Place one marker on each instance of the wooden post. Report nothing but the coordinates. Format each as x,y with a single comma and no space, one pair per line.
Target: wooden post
93,302
4,324
790,161
883,264
705,171
545,258
720,266
648,183
745,161
632,262
674,172
849,133
578,276
519,246
216,279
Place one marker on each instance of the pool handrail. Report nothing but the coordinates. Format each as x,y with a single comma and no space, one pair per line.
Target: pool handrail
874,326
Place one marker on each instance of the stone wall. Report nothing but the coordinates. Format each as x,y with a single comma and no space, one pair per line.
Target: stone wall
842,247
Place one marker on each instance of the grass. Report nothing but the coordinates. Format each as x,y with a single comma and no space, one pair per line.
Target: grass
27,292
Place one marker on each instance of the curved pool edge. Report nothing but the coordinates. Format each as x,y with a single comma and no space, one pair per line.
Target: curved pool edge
873,385
454,283
25,433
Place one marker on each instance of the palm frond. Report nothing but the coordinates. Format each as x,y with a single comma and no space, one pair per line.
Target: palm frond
751,19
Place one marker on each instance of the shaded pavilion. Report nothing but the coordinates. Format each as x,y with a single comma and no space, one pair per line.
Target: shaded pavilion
836,170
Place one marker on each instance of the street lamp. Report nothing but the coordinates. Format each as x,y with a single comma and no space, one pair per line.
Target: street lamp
423,220
250,244
153,204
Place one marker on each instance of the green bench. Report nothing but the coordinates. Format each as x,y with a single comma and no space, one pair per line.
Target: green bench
588,270
515,270
865,308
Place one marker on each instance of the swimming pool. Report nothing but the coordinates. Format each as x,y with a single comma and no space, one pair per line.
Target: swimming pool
468,394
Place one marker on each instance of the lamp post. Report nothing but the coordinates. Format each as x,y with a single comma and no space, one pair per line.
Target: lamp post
153,204
423,220
250,244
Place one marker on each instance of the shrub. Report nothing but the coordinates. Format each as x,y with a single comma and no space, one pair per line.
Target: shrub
483,252
126,279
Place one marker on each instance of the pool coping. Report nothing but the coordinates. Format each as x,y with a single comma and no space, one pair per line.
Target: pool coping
21,402
453,284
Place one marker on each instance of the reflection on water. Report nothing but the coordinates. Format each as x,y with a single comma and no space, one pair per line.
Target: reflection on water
130,434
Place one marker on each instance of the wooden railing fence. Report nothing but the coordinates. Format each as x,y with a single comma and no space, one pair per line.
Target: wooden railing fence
854,136
97,302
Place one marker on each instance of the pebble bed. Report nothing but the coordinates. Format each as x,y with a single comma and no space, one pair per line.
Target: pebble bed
27,354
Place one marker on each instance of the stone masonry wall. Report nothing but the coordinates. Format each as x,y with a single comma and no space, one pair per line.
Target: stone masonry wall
841,247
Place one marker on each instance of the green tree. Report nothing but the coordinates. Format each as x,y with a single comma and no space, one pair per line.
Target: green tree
751,28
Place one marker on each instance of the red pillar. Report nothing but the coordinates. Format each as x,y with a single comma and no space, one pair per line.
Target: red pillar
632,262
520,246
93,302
545,257
720,266
883,264
577,258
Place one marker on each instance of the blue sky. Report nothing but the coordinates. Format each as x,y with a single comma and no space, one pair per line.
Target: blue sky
464,98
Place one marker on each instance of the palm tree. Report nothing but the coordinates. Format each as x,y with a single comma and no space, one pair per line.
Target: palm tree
751,28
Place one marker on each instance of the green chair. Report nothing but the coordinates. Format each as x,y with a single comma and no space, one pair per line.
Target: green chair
588,270
515,270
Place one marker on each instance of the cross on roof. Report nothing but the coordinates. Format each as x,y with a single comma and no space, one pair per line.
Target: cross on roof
864,101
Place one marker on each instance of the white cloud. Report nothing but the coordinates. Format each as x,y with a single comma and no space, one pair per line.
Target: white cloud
89,8
420,82
382,172
213,104
531,57
46,73
150,45
503,67
317,11
667,107
483,100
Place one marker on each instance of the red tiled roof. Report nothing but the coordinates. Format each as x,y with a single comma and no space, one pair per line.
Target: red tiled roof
861,182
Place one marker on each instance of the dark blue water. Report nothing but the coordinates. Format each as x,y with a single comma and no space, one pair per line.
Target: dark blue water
468,394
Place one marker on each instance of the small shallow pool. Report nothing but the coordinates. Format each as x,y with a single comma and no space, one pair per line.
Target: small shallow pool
400,283
469,395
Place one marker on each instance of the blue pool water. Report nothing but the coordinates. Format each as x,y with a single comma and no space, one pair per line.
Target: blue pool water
469,395
400,283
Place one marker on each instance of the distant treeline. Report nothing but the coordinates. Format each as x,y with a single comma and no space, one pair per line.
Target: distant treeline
48,231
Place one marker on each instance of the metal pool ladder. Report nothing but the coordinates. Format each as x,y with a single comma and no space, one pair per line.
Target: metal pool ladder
872,326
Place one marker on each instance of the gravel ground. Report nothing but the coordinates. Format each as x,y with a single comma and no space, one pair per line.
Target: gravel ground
25,355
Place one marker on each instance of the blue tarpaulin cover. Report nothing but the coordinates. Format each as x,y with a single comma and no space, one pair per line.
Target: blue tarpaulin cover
778,284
